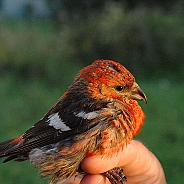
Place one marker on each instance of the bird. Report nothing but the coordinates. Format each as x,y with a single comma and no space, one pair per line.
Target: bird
98,114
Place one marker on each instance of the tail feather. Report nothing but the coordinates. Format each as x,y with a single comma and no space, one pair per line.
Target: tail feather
10,158
6,150
5,146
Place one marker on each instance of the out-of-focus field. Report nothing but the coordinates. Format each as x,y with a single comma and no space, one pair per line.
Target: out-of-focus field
38,63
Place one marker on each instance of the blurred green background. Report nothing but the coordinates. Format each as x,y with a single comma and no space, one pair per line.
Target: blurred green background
39,56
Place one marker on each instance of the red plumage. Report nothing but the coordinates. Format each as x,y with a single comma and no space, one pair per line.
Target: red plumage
98,114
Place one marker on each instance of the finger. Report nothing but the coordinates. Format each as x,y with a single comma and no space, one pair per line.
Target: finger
101,163
75,179
95,179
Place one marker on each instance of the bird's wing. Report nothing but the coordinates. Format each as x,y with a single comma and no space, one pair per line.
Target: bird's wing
57,125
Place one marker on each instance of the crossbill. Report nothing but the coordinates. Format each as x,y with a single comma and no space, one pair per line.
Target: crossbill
98,114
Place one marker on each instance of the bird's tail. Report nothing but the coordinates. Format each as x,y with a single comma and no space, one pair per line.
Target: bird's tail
7,149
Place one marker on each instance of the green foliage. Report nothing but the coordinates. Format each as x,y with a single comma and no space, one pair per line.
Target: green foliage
149,42
32,50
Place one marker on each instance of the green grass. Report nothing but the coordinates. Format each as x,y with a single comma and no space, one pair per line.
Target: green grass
24,102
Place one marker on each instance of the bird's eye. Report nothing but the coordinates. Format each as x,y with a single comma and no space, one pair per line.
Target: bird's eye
119,88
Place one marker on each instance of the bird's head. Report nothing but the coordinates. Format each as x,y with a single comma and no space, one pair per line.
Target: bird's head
109,79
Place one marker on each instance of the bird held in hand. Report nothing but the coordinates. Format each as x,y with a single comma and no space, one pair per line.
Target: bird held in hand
99,113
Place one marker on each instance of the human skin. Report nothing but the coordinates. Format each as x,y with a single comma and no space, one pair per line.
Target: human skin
140,166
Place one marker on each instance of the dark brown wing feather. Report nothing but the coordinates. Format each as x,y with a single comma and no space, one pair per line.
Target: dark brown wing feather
42,134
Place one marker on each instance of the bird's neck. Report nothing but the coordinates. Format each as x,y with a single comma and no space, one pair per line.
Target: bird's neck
138,115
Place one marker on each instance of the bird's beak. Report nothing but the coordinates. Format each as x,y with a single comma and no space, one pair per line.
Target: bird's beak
137,93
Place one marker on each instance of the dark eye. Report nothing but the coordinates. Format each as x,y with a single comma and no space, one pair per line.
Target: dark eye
119,88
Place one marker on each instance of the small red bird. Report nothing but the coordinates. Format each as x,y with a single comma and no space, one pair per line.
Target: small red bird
99,113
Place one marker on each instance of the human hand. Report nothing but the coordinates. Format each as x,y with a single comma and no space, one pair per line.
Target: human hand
139,164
